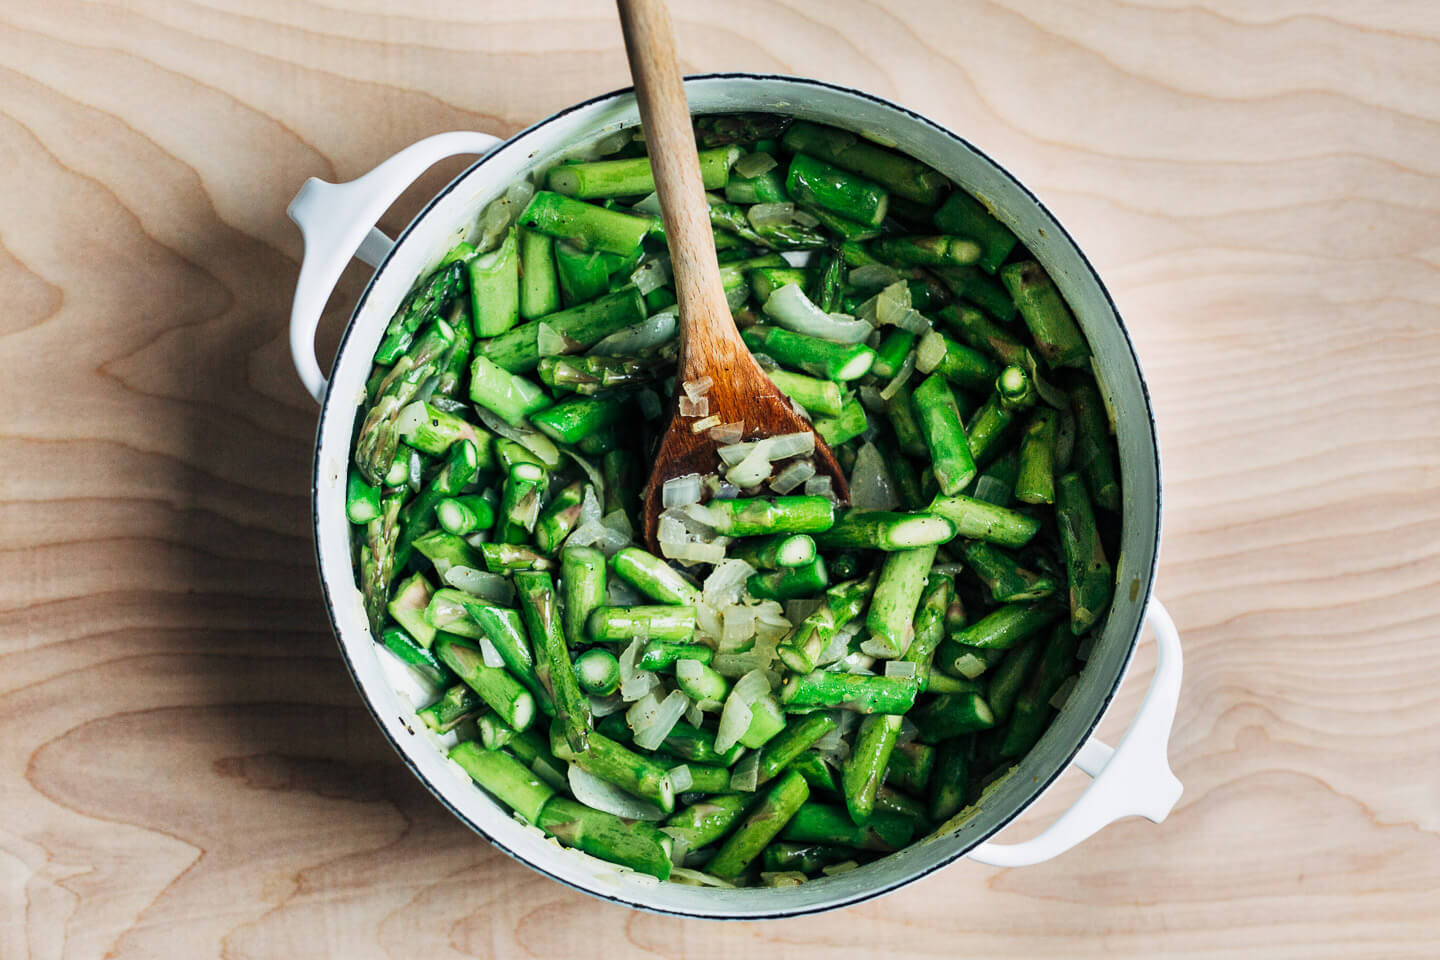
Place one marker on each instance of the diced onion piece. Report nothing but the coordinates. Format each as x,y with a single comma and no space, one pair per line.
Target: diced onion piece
602,795
732,454
892,301
800,443
637,338
634,682
727,433
745,775
792,476
722,588
695,713
734,721
678,491
411,417
550,343
903,669
739,625
651,275
619,521
695,389
485,585
1062,694
833,869
791,309
870,396
830,740
708,423
651,735
762,215
908,730
699,407
489,653
818,487
870,486
929,351
750,471
754,684
604,706
589,507
681,778
753,164
902,375
697,877
650,205
707,619
642,712
873,275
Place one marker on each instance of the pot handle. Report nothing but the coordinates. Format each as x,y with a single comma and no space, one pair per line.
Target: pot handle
1132,779
337,221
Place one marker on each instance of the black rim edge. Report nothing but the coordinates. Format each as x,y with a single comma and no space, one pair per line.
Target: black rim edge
868,895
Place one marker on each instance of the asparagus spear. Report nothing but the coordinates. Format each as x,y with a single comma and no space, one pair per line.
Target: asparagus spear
456,705
822,823
1035,474
774,551
865,768
885,530
378,560
422,305
505,777
701,824
500,691
789,583
465,515
820,398
892,609
820,358
582,326
950,457
362,500
571,421
653,577
1007,579
849,691
974,519
1058,339
539,285
936,251
559,518
910,767
589,375
416,655
378,436
505,630
631,843
1007,625
760,826
906,177
520,502
800,650
539,610
632,176
797,737
816,182
615,763
963,214
583,589
952,714
1092,581
495,288
663,654
586,225
929,628
746,517
1094,450
951,782
849,424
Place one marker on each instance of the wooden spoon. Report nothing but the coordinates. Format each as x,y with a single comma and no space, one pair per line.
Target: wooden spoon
710,344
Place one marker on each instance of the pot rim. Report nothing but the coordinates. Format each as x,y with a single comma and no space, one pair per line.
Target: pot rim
1041,786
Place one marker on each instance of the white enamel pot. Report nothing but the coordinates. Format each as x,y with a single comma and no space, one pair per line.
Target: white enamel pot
1131,779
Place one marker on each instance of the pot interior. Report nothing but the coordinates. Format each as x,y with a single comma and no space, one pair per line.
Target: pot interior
392,693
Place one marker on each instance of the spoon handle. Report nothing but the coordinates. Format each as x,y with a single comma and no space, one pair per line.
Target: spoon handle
707,331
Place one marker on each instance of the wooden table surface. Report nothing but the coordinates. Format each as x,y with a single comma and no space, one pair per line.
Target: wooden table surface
186,769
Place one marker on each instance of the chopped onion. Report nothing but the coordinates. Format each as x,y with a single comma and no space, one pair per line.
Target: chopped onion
604,706
722,588
552,344
791,309
487,586
681,778
903,669
739,625
619,521
870,396
818,487
908,731
929,351
708,621
489,653
678,491
411,417
745,775
639,337
695,389
870,485
727,433
750,471
754,164
649,205
651,275
602,795
699,407
779,447
695,713
634,682
833,869
708,423
653,733
618,593
873,275
902,375
805,218
1062,695
698,877
875,647
831,739
792,476
762,215
734,721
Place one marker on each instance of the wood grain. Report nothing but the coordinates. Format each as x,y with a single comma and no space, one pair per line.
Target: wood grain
185,770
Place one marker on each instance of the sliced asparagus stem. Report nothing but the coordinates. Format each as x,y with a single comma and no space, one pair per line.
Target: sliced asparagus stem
540,611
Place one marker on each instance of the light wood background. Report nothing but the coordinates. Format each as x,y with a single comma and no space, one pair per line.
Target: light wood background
185,768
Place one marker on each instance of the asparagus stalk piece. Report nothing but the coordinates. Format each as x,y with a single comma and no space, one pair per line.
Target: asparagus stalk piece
822,823
456,705
701,824
520,502
934,251
974,519
685,741
586,225
637,775
583,589
865,769
774,551
539,285
653,577
892,608
495,288
831,284
747,517
902,175
939,416
456,362
1007,625
789,583
973,285
703,779
929,627
910,767
1007,680
700,683
884,530
1007,579
415,655
815,182
378,561
760,826
800,650
849,691
509,397
1032,710
952,714
507,558
589,375
905,421
540,612
717,130
850,423
465,515
798,736
583,275
500,691
663,654
1059,340
805,858
816,772
559,518
631,843
820,358
1035,473
1094,450
1092,581
963,214
505,777
667,622
951,783
378,436
892,351
505,630
962,366
447,550
820,398
988,430
425,303
362,500
571,421
582,325
632,176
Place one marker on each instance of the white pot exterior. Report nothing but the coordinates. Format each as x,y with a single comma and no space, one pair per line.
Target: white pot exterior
446,220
